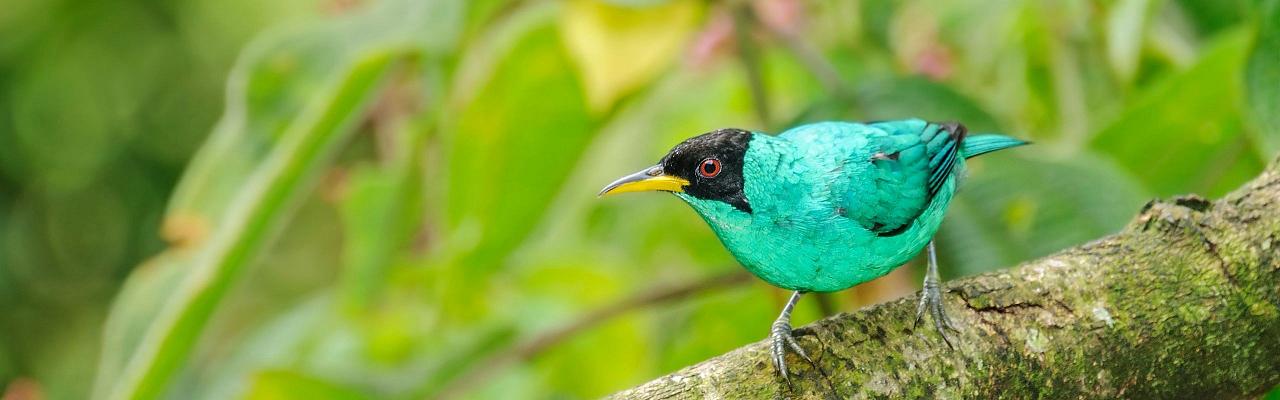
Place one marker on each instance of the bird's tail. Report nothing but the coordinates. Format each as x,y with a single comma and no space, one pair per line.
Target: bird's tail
976,145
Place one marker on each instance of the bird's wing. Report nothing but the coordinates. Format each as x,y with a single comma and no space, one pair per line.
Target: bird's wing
909,162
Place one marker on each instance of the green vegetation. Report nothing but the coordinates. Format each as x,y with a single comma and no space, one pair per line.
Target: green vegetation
396,199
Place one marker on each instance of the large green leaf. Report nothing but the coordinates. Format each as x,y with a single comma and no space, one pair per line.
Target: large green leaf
917,97
1184,133
1262,80
921,98
274,83
899,98
293,99
513,143
1015,206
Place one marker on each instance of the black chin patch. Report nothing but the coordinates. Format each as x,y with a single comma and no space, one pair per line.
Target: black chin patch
729,146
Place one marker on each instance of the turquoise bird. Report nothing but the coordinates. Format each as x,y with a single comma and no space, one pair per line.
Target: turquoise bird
825,206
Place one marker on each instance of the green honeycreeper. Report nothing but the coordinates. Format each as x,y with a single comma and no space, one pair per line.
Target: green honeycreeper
825,206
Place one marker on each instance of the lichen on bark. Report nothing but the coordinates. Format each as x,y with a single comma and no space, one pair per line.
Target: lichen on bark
1182,303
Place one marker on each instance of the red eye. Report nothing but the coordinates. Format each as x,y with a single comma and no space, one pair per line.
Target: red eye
710,168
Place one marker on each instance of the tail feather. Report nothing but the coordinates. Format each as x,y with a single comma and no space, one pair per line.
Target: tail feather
976,145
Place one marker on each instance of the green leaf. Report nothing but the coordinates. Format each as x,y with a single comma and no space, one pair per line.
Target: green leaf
1184,133
1015,206
293,100
374,218
274,83
287,339
899,98
379,214
458,352
1126,30
875,16
618,48
1262,81
515,141
286,385
921,98
1210,17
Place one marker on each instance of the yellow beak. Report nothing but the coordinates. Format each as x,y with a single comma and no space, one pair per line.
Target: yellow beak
650,179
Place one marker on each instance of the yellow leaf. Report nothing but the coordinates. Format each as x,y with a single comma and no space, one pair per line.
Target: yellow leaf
618,48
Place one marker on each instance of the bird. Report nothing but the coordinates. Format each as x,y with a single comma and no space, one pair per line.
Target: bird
824,206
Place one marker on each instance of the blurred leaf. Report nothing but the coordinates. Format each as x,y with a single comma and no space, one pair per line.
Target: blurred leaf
294,98
1037,45
458,351
1262,81
373,231
134,310
1184,133
281,342
792,88
1126,30
288,385
899,98
679,105
170,336
686,333
480,13
315,338
275,81
1209,17
617,48
586,366
876,15
379,214
514,142
1014,206
917,97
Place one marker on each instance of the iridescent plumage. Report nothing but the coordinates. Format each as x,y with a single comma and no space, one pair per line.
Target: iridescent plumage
835,204
825,206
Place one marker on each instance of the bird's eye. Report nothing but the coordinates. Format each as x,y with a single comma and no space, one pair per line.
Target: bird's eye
709,168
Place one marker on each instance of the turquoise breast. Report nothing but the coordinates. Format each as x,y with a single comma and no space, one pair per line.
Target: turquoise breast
802,233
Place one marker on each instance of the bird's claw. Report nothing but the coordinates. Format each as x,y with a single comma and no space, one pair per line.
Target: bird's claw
781,337
931,298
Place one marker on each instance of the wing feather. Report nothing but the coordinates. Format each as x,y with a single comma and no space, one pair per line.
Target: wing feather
926,155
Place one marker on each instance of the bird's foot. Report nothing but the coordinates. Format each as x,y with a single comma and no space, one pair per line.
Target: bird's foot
780,335
931,299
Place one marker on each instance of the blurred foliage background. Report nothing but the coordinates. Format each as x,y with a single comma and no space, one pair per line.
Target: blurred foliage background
395,199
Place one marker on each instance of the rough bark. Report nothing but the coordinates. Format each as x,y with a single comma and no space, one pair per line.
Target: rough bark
1183,303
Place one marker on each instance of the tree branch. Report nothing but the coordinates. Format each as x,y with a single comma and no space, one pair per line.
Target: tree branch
1183,303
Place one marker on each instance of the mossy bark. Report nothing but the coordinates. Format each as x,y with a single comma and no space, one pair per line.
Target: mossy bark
1183,303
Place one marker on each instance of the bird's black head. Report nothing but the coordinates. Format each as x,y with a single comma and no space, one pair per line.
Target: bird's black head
707,166
712,163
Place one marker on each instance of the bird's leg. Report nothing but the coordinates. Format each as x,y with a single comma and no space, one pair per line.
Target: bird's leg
931,298
780,334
